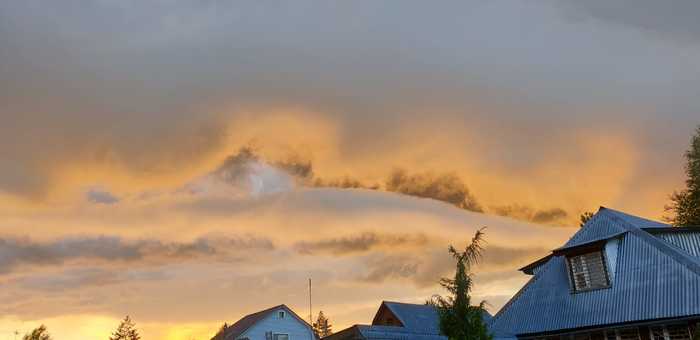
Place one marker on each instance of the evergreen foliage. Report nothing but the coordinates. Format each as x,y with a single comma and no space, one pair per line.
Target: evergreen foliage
459,320
584,218
126,331
685,204
39,333
322,326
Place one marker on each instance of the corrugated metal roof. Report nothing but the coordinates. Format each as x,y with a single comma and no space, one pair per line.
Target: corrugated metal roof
654,280
395,333
688,241
597,228
416,318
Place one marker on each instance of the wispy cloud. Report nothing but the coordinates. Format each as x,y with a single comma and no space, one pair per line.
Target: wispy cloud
15,252
360,243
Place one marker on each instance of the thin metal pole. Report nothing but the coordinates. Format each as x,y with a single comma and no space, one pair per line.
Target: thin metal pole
311,318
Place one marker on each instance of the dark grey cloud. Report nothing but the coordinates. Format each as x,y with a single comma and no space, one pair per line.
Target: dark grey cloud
676,20
551,216
360,243
442,187
381,268
237,166
79,278
23,251
101,197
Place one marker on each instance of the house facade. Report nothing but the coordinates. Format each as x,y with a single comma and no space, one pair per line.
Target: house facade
620,277
276,323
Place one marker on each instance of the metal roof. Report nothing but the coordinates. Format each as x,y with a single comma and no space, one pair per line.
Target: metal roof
395,333
416,318
687,241
654,279
423,319
420,322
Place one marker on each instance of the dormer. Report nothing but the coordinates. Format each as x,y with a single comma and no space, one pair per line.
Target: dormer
586,266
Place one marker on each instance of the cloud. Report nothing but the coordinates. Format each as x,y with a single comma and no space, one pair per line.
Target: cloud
98,196
533,104
675,21
551,216
424,267
22,251
360,243
445,187
382,268
80,278
499,256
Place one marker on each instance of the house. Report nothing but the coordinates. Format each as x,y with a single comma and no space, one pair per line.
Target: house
397,321
276,323
620,277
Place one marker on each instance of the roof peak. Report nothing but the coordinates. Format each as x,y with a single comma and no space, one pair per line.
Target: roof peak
633,220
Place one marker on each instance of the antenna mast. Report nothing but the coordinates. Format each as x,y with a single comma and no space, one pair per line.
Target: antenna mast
311,318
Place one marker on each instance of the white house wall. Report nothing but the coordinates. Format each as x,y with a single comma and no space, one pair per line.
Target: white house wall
290,325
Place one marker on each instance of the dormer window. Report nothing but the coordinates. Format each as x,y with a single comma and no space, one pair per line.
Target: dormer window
588,271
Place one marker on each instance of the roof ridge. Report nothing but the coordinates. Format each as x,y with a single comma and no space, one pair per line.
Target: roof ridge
667,249
405,303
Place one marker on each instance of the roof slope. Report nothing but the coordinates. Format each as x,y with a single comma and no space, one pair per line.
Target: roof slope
395,333
653,280
249,320
416,318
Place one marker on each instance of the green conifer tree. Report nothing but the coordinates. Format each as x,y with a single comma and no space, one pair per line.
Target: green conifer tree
459,320
685,204
322,326
584,218
39,333
126,331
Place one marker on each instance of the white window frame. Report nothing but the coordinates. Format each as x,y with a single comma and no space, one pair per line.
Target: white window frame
276,336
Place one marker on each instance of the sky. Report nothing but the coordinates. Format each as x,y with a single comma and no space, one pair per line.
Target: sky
190,162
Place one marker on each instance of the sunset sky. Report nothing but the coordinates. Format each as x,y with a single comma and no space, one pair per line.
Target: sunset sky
187,162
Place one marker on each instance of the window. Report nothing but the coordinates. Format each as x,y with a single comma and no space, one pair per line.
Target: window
670,332
280,337
582,336
678,332
622,334
280,314
588,271
628,334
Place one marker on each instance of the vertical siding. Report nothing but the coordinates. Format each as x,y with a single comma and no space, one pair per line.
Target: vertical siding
296,329
611,250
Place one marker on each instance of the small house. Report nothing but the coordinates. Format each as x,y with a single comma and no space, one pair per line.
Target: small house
276,323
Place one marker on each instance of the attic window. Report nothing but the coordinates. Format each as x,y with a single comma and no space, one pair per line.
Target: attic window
281,314
588,271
